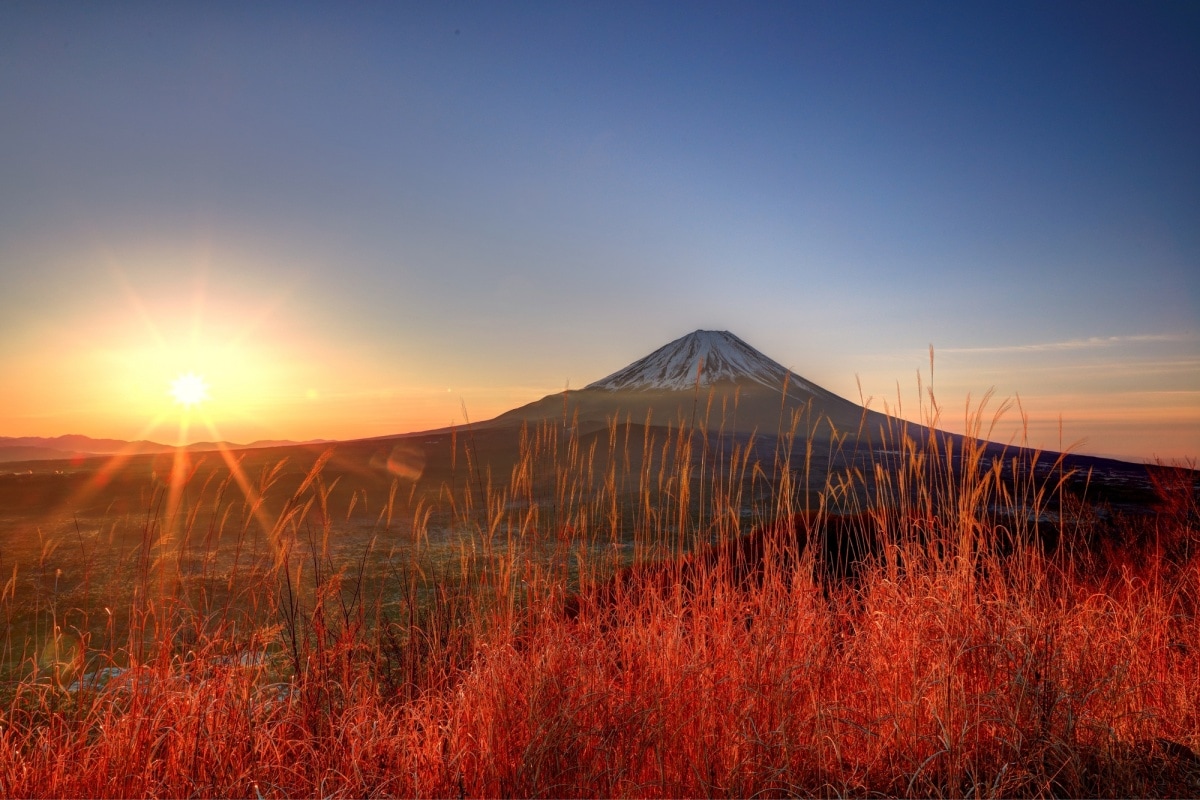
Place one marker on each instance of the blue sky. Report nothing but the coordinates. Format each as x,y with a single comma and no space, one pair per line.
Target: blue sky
355,219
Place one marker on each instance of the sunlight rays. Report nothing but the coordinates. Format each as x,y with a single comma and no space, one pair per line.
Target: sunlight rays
211,339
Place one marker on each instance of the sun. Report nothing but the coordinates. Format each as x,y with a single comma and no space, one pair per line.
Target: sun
189,389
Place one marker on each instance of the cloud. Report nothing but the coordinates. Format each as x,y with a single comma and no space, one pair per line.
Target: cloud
1090,343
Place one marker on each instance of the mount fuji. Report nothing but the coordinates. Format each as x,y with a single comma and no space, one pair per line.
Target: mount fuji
709,377
716,384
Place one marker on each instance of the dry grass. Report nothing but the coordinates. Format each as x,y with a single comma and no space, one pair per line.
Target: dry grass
965,658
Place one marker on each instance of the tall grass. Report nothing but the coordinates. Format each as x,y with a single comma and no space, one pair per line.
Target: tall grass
1001,637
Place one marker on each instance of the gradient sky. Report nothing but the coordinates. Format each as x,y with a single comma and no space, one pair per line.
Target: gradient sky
358,219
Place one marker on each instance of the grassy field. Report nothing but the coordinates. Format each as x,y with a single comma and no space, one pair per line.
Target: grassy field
267,629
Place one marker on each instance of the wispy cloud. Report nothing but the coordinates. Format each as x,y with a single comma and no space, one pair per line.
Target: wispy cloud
1090,343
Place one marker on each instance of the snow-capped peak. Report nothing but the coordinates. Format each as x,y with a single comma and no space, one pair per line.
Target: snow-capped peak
716,355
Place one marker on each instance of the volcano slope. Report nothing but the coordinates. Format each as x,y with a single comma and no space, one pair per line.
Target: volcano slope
709,380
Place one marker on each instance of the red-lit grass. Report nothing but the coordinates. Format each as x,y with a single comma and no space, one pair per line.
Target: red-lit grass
963,659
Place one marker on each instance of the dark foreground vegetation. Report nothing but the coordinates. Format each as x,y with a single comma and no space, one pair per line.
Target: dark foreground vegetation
573,629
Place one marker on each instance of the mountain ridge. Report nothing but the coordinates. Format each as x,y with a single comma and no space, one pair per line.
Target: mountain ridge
74,446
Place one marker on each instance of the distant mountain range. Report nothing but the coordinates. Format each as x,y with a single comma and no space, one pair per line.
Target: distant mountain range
75,446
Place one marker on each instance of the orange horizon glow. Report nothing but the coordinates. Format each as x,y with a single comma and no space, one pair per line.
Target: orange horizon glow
1121,427
259,372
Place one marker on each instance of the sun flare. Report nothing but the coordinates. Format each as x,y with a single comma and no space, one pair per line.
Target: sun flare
189,389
